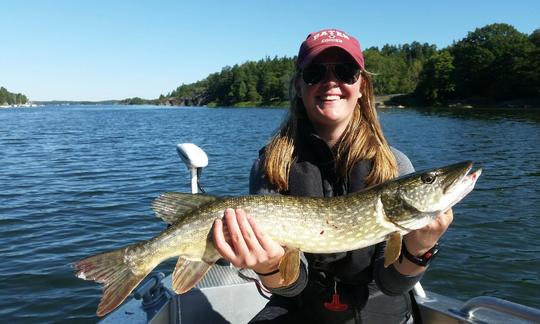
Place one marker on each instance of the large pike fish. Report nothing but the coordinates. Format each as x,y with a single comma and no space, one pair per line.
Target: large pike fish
316,225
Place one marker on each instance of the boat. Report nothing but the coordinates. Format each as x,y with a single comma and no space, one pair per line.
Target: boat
230,295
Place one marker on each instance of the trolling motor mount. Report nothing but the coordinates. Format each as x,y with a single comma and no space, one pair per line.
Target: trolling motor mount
195,159
153,294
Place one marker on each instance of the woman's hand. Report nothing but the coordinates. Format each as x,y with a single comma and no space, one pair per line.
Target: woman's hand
421,240
242,242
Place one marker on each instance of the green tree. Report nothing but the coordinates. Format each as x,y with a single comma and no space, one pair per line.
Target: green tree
487,61
397,68
529,68
9,98
256,82
3,96
436,83
535,37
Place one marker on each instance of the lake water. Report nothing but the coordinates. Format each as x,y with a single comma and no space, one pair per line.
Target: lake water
79,180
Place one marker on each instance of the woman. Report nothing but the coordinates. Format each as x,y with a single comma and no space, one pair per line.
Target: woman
330,144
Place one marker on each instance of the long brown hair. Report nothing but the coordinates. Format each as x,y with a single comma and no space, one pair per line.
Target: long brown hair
363,139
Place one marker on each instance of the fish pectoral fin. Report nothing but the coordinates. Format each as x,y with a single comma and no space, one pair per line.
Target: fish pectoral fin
289,266
187,273
171,206
392,249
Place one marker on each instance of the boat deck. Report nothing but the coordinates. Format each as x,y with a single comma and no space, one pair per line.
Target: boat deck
222,296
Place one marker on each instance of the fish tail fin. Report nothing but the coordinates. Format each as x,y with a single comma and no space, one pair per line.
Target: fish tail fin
118,278
187,273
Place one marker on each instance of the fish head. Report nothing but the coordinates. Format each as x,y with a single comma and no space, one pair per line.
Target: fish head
416,199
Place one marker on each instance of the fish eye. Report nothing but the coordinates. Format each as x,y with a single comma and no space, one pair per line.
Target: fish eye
428,178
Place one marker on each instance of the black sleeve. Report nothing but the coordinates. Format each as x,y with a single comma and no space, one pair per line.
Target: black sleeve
389,280
258,185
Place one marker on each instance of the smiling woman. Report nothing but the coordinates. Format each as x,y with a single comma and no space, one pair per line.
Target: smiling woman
330,144
329,100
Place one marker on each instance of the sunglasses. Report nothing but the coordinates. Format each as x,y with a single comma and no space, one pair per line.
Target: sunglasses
345,72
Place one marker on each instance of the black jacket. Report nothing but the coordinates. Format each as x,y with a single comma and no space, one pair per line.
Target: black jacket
358,276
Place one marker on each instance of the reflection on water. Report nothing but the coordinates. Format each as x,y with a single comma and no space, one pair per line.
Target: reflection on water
520,114
79,180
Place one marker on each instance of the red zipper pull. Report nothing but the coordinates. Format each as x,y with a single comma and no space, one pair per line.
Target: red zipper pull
335,305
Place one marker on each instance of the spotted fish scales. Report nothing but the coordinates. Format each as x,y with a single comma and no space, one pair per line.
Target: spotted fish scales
315,225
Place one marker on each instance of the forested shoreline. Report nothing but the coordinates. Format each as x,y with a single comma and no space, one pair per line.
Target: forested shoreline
495,63
7,98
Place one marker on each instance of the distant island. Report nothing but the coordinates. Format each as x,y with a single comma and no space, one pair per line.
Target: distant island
78,102
8,99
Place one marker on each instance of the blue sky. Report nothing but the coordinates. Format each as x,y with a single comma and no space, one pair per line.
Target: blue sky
97,50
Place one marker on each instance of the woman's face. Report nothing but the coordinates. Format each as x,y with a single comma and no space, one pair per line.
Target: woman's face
330,103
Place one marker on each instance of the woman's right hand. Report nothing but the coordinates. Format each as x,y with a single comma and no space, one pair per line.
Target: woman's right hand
242,242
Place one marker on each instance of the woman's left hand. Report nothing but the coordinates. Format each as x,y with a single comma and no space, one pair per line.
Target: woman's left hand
421,240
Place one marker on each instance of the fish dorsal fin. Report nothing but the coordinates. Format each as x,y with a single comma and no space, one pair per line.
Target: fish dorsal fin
171,206
187,273
392,249
289,266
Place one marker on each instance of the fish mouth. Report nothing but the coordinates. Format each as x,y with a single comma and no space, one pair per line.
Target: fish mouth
459,181
452,183
454,174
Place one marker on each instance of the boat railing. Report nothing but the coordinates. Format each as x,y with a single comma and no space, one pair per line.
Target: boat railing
501,306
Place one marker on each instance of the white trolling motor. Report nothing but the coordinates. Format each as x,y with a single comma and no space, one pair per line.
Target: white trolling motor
152,292
195,159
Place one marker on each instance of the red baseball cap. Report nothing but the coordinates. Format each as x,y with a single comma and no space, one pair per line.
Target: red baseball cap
317,42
